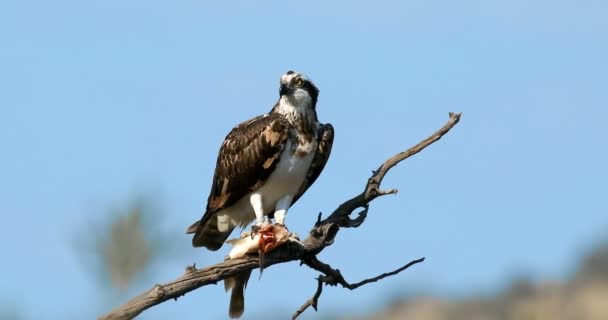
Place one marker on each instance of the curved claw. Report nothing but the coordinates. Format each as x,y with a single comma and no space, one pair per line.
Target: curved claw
280,225
254,230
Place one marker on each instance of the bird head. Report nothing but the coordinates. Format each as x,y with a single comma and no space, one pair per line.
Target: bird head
298,89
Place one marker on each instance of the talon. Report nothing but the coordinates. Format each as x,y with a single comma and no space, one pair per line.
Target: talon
254,230
280,225
257,227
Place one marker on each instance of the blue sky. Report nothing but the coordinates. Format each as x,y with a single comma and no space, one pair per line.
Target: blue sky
99,99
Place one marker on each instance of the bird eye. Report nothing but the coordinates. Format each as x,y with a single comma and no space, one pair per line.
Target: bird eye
299,82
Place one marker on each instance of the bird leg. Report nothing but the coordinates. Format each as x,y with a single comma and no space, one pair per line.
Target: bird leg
258,208
281,209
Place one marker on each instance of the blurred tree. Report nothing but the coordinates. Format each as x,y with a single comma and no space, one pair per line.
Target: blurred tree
126,251
10,311
583,296
595,265
126,244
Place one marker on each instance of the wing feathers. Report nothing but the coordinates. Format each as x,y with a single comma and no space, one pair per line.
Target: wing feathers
246,159
326,141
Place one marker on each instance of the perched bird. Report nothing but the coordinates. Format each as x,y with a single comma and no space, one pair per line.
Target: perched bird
264,166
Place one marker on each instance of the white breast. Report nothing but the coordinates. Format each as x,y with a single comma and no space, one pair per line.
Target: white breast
286,179
289,174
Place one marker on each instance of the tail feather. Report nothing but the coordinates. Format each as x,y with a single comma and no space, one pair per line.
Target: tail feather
237,284
207,234
193,227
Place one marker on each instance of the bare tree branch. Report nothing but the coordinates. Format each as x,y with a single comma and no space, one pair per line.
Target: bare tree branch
312,302
372,188
333,277
321,235
385,275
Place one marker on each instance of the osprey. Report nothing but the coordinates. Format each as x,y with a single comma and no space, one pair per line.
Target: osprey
264,166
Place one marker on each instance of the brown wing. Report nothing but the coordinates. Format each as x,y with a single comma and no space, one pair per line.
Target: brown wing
326,141
246,159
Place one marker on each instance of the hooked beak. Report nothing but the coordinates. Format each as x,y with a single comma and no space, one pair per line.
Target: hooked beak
285,89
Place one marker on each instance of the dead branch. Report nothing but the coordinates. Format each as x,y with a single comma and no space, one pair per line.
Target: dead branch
313,302
333,277
321,235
